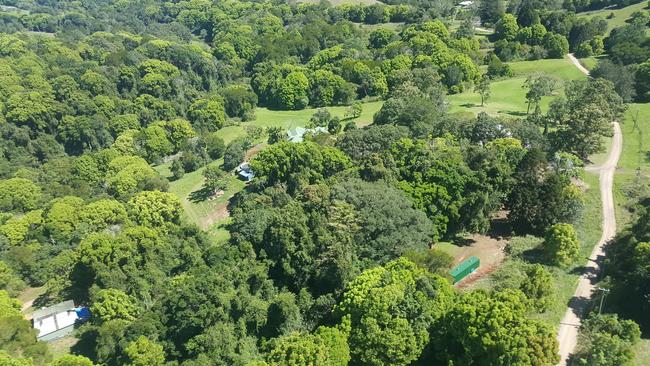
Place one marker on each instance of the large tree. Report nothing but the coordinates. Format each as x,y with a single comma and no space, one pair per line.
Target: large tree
390,310
297,164
586,116
492,329
541,197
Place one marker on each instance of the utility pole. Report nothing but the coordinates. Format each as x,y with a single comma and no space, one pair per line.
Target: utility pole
602,298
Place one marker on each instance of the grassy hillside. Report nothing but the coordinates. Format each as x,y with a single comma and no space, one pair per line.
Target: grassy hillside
203,213
508,96
619,15
289,119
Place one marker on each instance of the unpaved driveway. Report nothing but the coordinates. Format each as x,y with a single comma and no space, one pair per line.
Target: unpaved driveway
578,64
568,331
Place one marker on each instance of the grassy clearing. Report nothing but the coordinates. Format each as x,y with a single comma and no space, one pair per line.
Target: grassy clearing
27,297
636,146
642,353
619,15
265,118
395,26
508,96
203,213
62,346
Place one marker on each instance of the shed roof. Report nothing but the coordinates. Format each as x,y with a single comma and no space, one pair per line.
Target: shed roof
469,262
54,309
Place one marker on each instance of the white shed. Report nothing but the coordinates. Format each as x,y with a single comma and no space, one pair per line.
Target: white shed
55,321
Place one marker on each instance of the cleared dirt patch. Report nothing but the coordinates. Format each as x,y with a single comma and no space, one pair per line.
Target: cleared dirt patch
253,151
218,215
27,298
491,252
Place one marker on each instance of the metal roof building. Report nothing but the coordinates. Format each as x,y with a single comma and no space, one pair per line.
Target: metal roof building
55,321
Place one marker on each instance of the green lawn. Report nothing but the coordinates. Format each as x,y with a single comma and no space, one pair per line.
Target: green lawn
636,145
642,353
394,26
203,213
634,164
508,97
265,117
620,15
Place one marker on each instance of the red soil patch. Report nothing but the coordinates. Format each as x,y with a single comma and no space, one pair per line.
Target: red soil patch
491,252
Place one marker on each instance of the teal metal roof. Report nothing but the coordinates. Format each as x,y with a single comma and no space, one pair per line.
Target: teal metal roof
467,263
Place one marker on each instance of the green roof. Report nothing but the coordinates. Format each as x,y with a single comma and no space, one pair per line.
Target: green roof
470,262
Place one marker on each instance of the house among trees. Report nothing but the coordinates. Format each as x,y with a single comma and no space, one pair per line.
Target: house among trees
58,320
298,134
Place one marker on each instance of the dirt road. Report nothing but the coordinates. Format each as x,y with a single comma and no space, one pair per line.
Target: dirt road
578,64
568,332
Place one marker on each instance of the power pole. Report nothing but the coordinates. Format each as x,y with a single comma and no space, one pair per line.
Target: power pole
602,298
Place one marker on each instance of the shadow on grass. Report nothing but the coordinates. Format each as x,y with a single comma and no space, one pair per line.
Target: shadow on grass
201,195
470,105
514,113
582,270
534,255
462,242
579,305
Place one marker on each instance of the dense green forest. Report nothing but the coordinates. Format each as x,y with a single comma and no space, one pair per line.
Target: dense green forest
331,253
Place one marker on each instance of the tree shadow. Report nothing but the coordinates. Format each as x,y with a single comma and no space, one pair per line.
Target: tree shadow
534,255
41,301
514,113
469,105
500,228
201,195
583,270
579,305
86,344
463,242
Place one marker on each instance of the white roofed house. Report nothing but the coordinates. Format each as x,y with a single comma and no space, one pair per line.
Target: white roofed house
58,320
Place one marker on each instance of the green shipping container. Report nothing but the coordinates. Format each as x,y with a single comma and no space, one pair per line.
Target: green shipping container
466,267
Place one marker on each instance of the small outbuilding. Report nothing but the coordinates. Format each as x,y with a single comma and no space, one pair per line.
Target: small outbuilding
245,172
465,268
58,320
